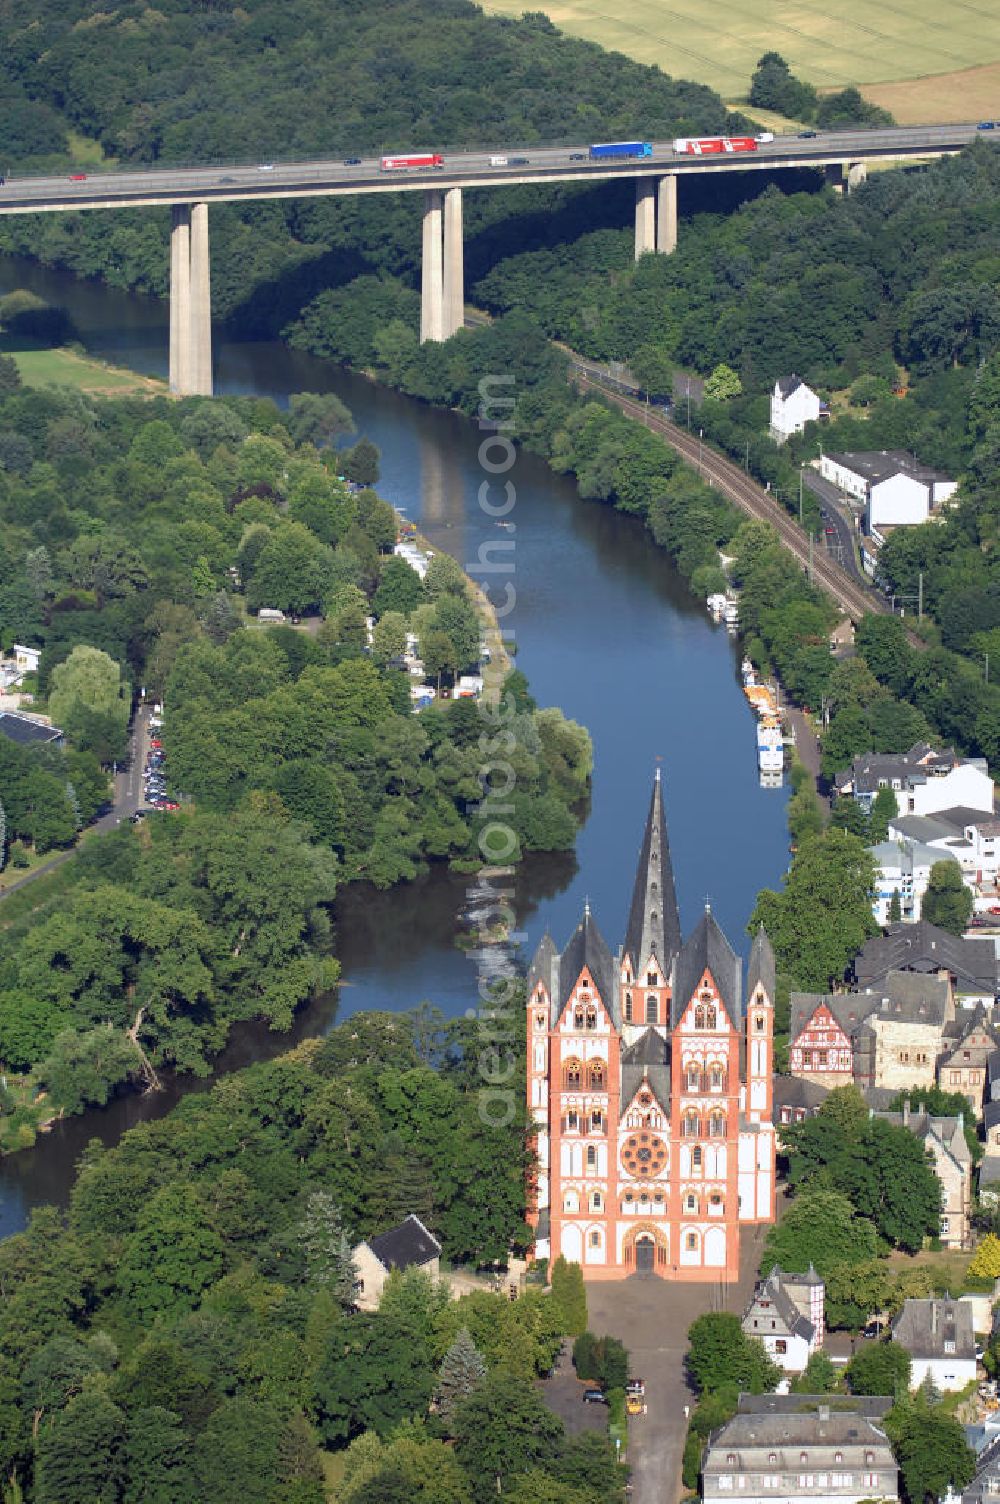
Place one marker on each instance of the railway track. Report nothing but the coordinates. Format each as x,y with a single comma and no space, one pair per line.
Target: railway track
853,598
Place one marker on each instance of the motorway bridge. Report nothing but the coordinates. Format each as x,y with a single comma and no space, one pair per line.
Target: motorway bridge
843,155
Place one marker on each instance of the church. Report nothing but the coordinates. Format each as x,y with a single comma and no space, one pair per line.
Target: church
649,1078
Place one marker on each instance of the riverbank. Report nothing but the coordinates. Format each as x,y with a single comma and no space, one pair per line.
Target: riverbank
40,365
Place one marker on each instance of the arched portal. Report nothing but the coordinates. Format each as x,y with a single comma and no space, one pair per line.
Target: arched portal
645,1249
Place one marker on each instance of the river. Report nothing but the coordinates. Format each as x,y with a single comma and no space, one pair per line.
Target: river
605,628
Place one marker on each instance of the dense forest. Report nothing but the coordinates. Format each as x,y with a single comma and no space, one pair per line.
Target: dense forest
188,1333
136,535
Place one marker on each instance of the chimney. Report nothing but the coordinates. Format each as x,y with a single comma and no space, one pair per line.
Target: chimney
934,1314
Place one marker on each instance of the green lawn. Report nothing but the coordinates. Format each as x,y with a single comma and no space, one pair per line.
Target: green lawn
62,367
831,45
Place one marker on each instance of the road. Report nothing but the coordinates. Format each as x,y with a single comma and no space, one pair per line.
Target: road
460,168
651,1317
126,799
836,516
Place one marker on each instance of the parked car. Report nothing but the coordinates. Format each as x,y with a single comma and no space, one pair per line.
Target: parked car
594,1397
634,1404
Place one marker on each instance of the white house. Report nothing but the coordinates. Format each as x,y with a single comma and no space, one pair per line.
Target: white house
793,405
894,487
969,835
26,659
939,1338
925,782
903,867
786,1313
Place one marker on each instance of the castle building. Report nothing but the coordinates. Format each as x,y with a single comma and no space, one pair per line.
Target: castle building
650,1085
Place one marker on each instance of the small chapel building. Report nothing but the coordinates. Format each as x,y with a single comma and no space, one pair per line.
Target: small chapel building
650,1086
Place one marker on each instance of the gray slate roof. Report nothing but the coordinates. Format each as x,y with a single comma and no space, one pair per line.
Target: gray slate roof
406,1245
707,949
762,965
991,1114
909,997
26,732
850,1009
875,465
653,922
587,948
792,1091
989,1169
773,1290
924,948
924,1326
648,1058
788,384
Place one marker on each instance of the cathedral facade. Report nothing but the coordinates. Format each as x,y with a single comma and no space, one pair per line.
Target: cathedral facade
650,1085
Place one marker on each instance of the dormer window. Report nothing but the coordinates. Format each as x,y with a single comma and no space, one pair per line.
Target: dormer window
772,1457
803,1456
651,979
838,1456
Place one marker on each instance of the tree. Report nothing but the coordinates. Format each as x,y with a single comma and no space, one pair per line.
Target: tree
157,1457
819,1228
831,880
947,902
723,384
361,464
818,1377
569,1297
80,1455
90,700
895,907
400,588
172,1256
720,1353
317,418
462,1368
389,637
373,1375
774,87
884,808
930,1446
986,1263
501,1429
879,1368
329,1262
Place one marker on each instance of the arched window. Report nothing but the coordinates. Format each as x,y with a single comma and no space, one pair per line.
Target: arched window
591,1157
595,1075
578,1018
710,1018
699,1017
652,980
652,1008
691,1241
838,1456
803,1456
690,1125
597,1121
691,1202
596,1202
591,1016
759,1023
595,1238
717,1125
717,1078
539,1020
572,1075
693,1078
628,1007
696,1156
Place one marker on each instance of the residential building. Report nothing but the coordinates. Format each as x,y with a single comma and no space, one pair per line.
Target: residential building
989,1177
923,949
969,1041
899,1042
894,488
821,1036
969,835
924,781
902,874
28,730
408,1246
26,660
985,1486
793,405
939,1338
649,1083
945,1138
796,1099
801,1449
786,1313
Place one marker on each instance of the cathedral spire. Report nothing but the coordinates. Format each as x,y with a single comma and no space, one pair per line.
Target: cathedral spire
653,922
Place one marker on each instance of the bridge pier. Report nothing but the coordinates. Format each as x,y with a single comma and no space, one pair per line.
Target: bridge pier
645,216
833,174
190,303
857,173
442,270
666,214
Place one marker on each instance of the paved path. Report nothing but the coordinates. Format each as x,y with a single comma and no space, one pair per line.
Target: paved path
806,741
651,1316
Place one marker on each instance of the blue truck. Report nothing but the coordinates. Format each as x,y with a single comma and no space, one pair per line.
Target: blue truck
621,149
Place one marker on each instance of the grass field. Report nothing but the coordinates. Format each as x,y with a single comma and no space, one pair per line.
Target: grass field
929,48
61,367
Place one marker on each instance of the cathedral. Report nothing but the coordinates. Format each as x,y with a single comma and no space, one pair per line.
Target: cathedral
649,1082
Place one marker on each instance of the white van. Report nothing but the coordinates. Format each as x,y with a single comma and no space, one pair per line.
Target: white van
498,161
268,613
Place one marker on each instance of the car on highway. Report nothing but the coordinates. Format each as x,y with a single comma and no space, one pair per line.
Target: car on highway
986,125
78,177
519,161
265,166
352,161
578,156
806,135
227,180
